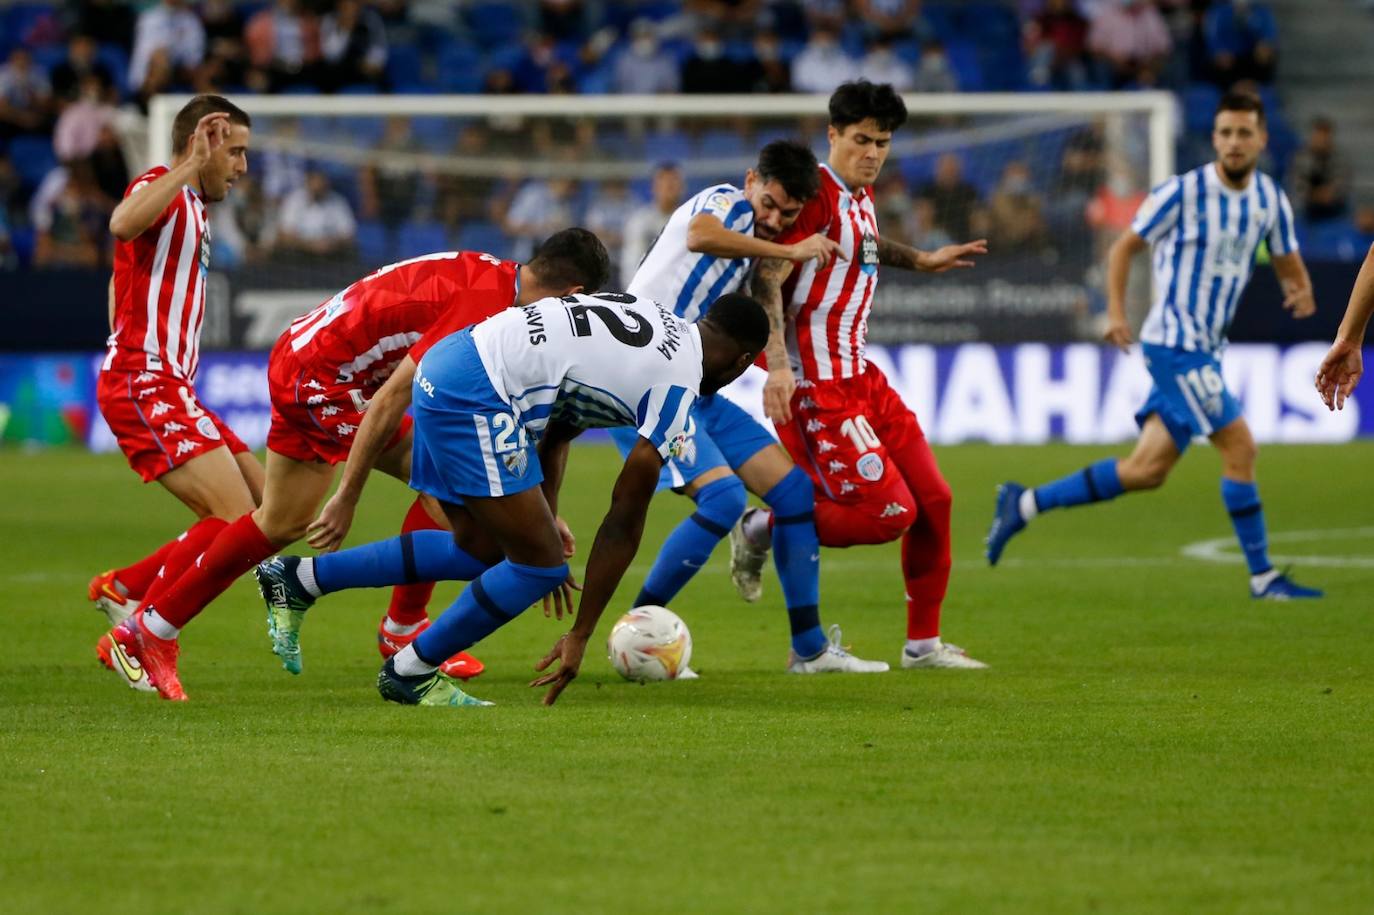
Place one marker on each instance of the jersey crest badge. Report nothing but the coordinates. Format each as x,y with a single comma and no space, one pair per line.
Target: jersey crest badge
870,467
206,427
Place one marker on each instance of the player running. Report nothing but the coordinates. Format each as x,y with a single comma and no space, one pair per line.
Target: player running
145,388
873,471
339,379
1205,227
706,249
496,408
1341,369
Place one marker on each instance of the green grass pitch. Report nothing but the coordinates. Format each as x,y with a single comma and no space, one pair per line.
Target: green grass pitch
1147,740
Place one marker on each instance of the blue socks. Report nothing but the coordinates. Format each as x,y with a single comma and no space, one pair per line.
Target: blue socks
719,505
796,555
403,560
1247,517
1094,483
501,594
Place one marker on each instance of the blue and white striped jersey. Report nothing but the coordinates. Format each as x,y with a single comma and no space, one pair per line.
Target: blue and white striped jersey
685,281
1204,237
595,362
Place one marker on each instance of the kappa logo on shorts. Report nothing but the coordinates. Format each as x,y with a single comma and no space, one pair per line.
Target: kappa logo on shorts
144,377
803,384
314,385
814,425
870,467
314,400
825,445
186,445
893,510
517,462
206,427
346,429
847,487
836,466
329,410
172,426
144,392
807,404
159,408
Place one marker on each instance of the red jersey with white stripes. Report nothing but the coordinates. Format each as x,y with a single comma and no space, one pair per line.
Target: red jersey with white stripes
358,336
829,306
159,288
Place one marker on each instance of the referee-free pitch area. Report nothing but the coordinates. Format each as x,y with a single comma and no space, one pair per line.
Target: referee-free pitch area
1148,738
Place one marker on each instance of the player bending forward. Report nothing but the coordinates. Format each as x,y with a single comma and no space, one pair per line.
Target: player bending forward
874,474
1205,227
340,381
496,408
706,249
145,389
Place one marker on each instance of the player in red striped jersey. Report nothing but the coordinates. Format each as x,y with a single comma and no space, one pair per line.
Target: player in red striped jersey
340,382
876,478
145,388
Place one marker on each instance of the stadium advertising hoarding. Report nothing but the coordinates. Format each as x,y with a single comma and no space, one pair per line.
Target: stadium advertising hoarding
1026,394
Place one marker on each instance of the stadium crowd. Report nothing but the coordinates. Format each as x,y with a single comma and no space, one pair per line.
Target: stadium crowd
71,72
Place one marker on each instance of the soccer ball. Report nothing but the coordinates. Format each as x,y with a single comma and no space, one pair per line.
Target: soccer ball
650,643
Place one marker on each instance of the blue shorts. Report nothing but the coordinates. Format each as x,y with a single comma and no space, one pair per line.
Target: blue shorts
468,441
1189,393
723,435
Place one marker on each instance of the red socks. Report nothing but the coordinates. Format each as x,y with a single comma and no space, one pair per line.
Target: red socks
137,578
408,602
238,548
183,552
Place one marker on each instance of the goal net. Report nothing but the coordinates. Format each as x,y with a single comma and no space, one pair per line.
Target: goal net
339,185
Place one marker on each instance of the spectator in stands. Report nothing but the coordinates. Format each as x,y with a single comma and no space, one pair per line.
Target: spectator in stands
159,75
538,209
281,171
826,15
1319,176
822,65
108,165
925,232
892,200
1114,204
1130,40
240,231
608,214
466,198
565,20
956,202
734,19
1056,44
283,43
892,20
25,96
81,61
353,45
708,70
81,123
1242,41
933,71
642,69
70,217
774,73
882,65
1016,217
174,29
390,188
644,224
315,221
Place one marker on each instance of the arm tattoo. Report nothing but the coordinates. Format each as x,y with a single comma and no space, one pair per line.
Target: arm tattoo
769,275
892,254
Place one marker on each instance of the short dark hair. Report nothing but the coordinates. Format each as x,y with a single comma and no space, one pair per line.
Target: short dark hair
184,124
740,318
572,257
793,166
1241,101
859,100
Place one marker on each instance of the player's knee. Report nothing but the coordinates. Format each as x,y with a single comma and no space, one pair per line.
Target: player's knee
1152,474
793,495
278,528
722,501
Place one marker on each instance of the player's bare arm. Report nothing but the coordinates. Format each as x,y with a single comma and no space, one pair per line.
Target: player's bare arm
1123,251
706,234
1344,364
769,275
380,422
617,541
110,305
141,209
1296,285
950,257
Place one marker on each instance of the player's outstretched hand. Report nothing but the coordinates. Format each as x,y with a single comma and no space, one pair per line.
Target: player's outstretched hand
1299,302
560,602
1118,334
211,131
953,257
327,531
568,650
822,249
777,394
1340,371
566,535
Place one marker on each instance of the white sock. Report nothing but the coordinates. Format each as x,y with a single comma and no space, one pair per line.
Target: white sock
1261,581
756,529
395,628
158,626
918,647
1027,505
305,574
408,664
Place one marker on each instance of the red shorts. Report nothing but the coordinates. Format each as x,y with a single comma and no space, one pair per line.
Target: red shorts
158,421
842,431
314,419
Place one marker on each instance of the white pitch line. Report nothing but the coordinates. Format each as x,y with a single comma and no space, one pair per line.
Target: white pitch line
1219,549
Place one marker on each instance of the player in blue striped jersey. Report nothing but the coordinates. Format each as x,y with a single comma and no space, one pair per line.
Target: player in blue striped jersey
707,248
1205,228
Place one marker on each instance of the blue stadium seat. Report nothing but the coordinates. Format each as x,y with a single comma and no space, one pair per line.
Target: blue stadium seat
403,64
374,243
460,67
667,146
33,158
483,236
963,60
22,239
1199,106
416,238
495,23
117,60
49,56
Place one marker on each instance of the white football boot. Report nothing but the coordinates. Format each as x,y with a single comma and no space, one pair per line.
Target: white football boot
746,561
943,655
834,660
